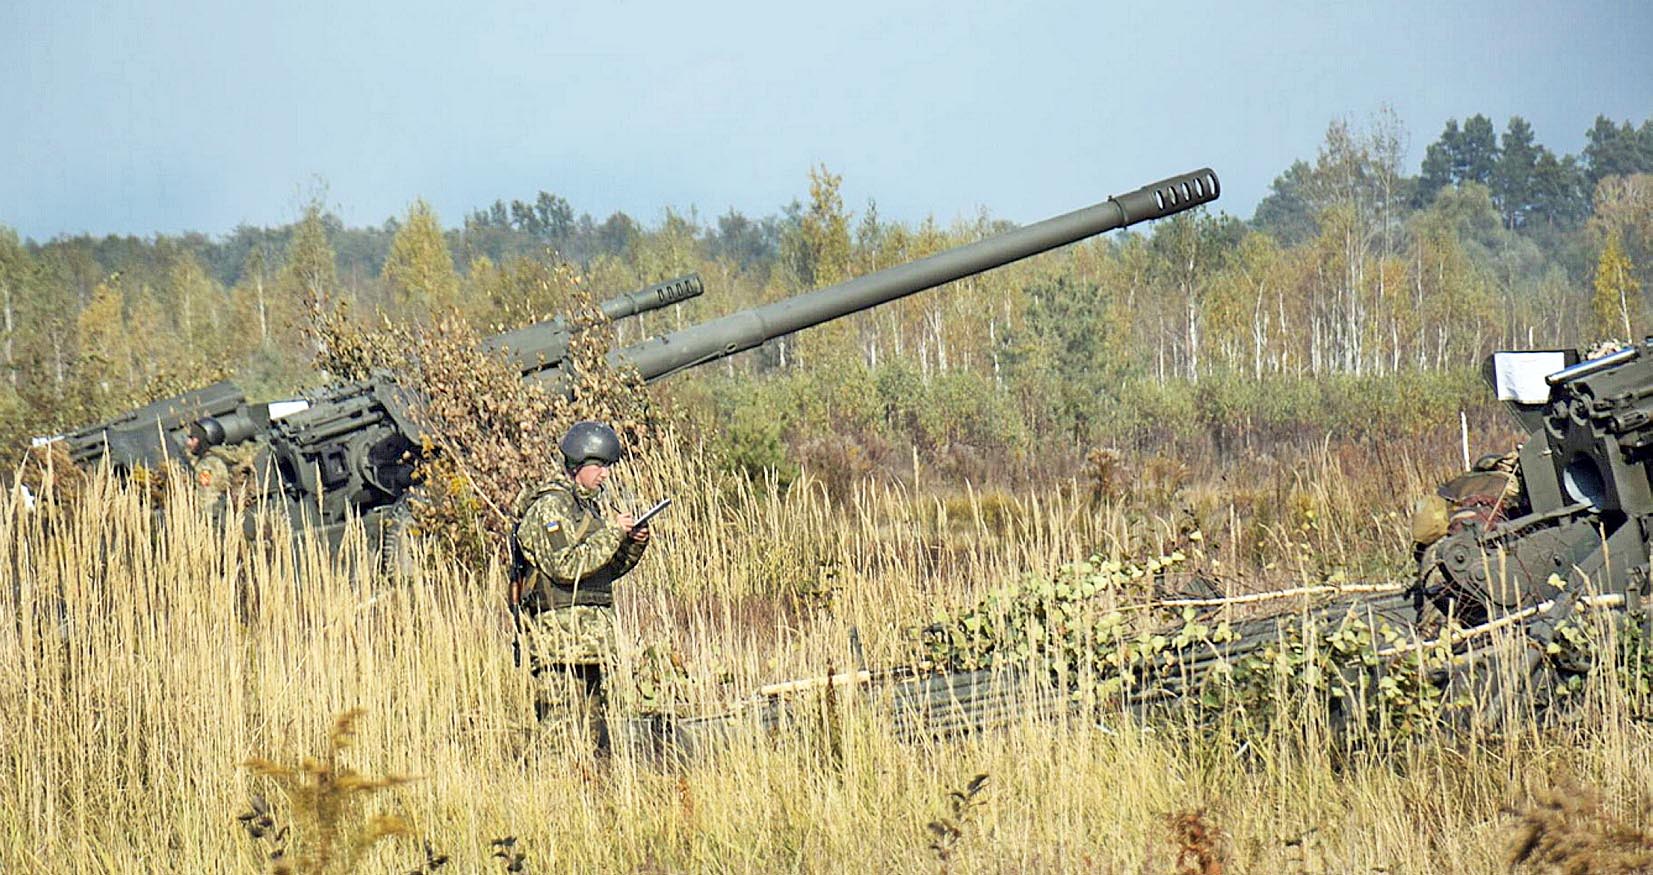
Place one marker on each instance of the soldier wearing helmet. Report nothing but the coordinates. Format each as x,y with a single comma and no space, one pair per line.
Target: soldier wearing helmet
568,554
209,463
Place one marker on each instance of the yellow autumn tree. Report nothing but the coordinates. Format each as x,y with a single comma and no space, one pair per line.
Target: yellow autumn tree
104,368
1617,303
197,306
419,272
309,277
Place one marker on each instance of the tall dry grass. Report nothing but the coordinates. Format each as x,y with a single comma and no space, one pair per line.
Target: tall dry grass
145,659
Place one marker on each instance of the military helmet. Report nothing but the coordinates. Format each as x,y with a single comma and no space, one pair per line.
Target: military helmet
589,443
209,431
1488,462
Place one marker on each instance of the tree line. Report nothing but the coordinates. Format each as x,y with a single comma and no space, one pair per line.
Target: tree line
1353,277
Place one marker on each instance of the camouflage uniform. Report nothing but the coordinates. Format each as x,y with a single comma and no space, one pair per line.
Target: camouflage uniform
213,476
572,553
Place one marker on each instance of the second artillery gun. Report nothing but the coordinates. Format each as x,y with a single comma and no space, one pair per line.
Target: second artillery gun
1523,556
349,451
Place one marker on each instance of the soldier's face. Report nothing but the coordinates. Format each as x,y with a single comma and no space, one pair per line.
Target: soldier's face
591,477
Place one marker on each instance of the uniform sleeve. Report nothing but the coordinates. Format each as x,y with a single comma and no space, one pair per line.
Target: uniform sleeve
552,544
629,554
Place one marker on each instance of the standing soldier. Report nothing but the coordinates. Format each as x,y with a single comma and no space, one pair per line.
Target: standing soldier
570,553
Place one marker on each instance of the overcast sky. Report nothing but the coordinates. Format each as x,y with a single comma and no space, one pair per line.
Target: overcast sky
158,116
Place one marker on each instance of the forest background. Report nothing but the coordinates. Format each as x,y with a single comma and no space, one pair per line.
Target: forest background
1354,306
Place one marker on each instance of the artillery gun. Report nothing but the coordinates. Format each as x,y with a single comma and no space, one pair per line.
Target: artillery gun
1524,544
1521,553
349,451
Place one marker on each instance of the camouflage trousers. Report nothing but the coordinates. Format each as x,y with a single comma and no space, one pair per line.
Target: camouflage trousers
569,650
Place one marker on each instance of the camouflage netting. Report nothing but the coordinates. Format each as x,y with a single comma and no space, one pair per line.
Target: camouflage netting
1355,651
489,433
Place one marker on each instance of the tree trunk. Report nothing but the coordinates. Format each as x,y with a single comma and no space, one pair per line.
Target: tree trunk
1259,334
11,368
263,310
1193,330
993,349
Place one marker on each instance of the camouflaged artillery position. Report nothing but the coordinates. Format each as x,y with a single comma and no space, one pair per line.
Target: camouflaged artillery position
1521,562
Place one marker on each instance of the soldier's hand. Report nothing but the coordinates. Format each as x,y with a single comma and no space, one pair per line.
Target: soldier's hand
628,524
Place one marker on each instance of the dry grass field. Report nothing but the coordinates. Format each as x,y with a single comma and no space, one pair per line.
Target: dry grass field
153,675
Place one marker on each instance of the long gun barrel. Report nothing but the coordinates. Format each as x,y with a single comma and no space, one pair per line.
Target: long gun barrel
544,345
655,297
708,341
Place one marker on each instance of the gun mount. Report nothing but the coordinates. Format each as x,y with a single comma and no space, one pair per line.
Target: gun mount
1577,512
354,453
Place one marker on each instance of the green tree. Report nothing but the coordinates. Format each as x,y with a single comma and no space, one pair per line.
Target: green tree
1438,164
1617,150
1071,360
1477,156
816,251
748,244
419,271
1559,197
616,235
1513,177
1286,213
555,218
1459,156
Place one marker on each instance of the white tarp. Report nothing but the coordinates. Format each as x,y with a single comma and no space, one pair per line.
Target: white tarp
1520,375
283,409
